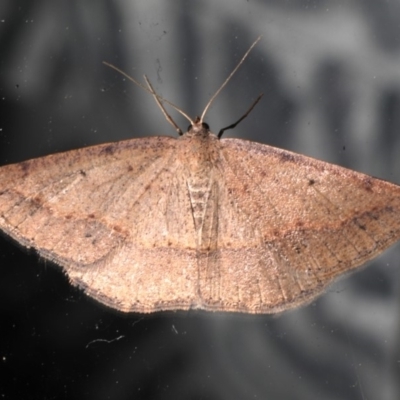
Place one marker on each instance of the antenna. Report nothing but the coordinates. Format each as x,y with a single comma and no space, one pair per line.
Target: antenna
160,100
228,79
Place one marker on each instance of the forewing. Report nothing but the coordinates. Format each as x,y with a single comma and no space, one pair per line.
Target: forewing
289,225
114,216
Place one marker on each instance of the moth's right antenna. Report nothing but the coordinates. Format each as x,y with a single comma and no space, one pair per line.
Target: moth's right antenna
228,79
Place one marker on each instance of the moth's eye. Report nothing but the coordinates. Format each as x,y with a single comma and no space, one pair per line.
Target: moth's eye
205,126
189,128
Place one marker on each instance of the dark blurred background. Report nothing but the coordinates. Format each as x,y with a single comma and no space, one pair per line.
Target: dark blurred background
330,71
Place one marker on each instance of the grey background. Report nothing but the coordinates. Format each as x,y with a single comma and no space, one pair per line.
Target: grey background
330,71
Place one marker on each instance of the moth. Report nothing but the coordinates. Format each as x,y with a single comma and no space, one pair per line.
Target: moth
197,221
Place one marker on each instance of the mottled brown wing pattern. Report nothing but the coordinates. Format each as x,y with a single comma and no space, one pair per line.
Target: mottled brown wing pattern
112,222
303,223
59,200
158,223
155,268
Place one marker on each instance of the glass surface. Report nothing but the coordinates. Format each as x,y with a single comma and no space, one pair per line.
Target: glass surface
330,75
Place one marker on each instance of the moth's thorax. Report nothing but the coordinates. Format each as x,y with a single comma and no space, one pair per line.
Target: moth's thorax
200,148
200,156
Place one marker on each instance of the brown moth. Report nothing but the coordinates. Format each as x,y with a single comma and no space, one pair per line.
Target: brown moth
197,221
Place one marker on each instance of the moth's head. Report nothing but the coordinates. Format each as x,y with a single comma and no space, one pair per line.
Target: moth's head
198,128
